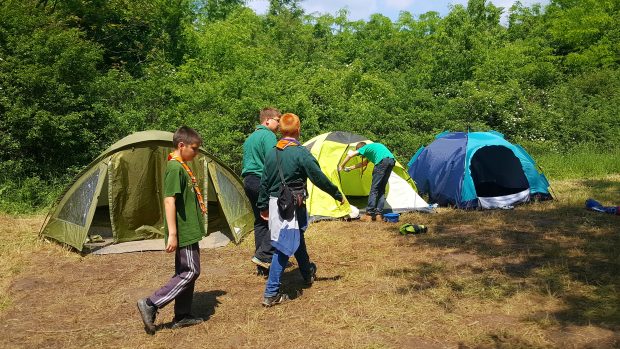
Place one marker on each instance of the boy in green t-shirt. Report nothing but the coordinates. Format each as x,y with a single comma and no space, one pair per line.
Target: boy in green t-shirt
384,162
184,228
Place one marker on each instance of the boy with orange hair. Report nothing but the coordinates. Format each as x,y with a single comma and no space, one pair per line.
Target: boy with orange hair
292,163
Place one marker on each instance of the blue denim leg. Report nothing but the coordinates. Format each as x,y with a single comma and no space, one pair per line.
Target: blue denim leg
388,165
278,262
279,259
380,176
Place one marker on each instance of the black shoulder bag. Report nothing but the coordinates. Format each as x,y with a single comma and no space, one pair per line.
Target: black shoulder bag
292,195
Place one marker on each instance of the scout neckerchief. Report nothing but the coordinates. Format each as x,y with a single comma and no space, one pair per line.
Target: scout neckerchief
203,208
286,142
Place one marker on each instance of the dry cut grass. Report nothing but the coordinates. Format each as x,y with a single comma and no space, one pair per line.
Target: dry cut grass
545,275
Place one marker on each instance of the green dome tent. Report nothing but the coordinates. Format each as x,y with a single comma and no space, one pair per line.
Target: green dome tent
118,195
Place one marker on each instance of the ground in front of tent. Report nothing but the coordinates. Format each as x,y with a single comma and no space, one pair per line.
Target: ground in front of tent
542,275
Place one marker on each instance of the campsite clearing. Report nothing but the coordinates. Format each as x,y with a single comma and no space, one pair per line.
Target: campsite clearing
543,275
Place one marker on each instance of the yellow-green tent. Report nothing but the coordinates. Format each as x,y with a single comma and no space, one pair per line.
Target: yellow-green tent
330,149
118,195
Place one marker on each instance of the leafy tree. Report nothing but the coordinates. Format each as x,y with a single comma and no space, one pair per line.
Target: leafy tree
77,75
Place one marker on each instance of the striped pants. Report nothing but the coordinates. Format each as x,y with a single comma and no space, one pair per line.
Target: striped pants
181,287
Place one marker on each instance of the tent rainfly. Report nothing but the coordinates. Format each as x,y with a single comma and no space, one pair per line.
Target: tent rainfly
330,149
118,195
477,169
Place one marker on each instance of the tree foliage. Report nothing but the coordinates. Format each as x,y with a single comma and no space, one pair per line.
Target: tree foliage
77,75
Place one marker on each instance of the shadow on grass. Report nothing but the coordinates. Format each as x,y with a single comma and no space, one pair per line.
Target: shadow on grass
292,283
206,302
562,251
203,306
604,190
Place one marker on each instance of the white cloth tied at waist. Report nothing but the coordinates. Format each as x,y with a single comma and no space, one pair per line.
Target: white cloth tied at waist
285,234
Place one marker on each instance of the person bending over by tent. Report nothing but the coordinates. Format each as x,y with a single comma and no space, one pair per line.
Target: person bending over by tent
262,140
184,228
291,164
384,162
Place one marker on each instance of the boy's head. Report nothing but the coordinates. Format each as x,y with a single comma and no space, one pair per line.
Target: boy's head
290,126
359,145
270,117
187,142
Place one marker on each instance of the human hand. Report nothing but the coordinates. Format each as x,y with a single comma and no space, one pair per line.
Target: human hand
264,214
340,168
173,243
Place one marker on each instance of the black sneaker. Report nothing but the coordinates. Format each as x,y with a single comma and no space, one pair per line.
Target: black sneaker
260,271
277,299
148,314
185,321
309,280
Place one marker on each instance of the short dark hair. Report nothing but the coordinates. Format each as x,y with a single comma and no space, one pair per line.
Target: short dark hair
268,113
359,145
186,135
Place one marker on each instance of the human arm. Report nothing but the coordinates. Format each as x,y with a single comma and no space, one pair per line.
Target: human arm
171,220
313,172
356,166
349,156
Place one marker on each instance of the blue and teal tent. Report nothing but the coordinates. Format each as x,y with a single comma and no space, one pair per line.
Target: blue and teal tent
476,169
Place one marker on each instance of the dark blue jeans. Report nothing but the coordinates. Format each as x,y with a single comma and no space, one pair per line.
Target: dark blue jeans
262,237
380,176
279,260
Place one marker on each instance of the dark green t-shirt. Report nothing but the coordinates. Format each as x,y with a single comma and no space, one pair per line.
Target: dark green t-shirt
297,163
261,141
190,220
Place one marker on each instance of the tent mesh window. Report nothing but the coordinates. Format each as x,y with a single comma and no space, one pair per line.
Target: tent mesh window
76,208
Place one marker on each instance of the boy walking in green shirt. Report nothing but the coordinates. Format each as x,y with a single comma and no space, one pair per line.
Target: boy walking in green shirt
184,228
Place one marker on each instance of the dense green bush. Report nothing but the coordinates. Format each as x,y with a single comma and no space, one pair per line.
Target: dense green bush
76,76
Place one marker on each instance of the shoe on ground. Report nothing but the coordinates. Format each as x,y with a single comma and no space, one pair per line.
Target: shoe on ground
277,299
260,263
260,271
185,321
309,280
148,314
368,218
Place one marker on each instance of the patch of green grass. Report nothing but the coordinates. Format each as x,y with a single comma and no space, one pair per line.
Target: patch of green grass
584,161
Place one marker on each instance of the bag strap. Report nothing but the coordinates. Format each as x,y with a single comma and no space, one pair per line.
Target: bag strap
280,167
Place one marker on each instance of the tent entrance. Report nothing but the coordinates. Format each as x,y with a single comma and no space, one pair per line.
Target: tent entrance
101,224
497,172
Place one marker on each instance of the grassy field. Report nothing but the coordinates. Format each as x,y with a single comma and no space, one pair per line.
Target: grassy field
584,161
544,275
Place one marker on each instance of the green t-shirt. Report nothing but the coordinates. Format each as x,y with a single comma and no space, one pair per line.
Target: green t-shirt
261,141
375,152
190,220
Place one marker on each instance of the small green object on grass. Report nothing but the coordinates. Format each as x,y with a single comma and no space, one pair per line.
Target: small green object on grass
409,228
